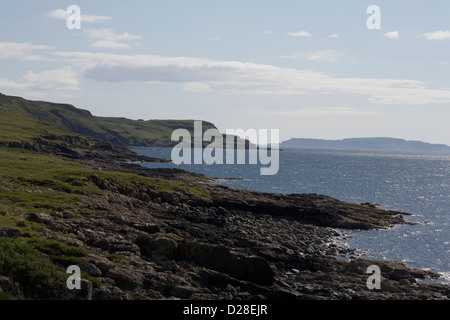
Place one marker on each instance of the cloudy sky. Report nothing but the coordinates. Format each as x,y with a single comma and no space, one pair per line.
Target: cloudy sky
312,69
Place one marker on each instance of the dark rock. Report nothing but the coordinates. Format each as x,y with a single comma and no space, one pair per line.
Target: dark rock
56,215
10,233
40,218
124,279
220,258
100,262
7,285
90,269
160,248
114,245
68,215
150,228
45,233
404,282
183,292
85,293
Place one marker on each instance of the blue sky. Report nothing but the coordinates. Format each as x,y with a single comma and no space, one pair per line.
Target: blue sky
311,69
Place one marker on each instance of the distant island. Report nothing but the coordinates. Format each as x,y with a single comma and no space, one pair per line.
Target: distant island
366,144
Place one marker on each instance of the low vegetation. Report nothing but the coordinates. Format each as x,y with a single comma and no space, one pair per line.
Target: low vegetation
33,180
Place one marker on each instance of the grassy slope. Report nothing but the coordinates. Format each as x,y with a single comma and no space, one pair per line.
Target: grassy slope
118,131
39,182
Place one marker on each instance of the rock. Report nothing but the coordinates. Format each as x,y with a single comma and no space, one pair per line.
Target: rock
112,244
170,265
183,292
90,269
85,293
7,285
160,248
124,279
220,258
232,290
40,218
68,215
102,293
402,274
150,228
45,233
110,293
56,215
10,233
101,262
404,282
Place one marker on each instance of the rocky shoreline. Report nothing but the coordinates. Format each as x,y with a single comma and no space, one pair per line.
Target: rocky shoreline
231,244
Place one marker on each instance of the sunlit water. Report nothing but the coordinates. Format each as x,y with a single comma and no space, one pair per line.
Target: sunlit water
409,182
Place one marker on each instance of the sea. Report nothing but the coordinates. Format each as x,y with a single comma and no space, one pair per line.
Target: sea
414,183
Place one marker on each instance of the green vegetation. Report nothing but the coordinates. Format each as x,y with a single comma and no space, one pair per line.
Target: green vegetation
118,131
32,181
59,252
37,182
15,127
118,258
31,268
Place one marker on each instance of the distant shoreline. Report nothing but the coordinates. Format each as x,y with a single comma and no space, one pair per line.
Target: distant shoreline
366,144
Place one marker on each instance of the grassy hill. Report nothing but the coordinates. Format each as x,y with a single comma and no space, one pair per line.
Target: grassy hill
36,183
118,131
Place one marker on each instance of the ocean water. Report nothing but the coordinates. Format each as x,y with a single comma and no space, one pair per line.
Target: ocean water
415,183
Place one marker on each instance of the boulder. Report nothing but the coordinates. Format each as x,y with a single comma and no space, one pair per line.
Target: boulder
220,258
10,233
147,227
85,293
7,285
102,263
159,248
124,279
90,269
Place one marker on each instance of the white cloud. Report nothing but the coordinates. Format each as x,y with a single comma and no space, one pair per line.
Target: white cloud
318,56
22,51
110,44
106,38
233,77
304,34
266,32
325,111
61,14
108,34
58,80
391,35
333,36
196,87
437,36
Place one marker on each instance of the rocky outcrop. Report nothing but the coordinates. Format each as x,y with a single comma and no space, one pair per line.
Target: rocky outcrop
214,257
10,233
227,244
10,287
234,245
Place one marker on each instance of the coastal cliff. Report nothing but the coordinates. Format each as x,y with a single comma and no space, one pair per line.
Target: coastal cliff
139,233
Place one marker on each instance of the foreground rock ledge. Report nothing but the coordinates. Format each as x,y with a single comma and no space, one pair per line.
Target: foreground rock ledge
230,245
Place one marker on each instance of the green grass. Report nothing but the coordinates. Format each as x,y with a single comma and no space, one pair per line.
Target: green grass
118,258
119,131
29,267
37,182
20,128
59,252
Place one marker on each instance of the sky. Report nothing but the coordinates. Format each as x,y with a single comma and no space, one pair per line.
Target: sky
312,69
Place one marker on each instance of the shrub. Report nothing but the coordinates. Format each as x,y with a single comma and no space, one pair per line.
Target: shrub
34,271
